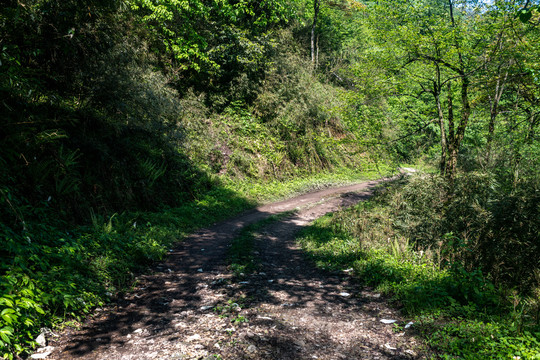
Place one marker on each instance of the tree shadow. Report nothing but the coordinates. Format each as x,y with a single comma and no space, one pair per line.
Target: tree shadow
179,288
169,289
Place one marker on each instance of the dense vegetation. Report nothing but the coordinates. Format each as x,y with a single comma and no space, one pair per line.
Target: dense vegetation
127,123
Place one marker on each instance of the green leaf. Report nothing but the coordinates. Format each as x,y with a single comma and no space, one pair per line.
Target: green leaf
8,318
40,310
7,311
5,332
7,302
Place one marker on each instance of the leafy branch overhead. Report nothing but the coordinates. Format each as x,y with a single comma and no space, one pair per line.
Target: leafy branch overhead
191,32
526,13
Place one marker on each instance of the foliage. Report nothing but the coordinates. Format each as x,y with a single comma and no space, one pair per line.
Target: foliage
229,310
49,275
292,127
214,42
480,224
99,130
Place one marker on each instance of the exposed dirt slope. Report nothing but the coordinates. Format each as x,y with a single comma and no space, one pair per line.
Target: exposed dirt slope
192,308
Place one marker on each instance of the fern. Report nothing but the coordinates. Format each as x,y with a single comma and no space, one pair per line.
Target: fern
152,170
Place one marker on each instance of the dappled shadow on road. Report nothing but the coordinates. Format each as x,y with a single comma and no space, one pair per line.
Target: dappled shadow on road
292,309
173,287
312,313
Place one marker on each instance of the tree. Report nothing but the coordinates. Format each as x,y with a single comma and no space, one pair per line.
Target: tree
316,8
192,31
441,47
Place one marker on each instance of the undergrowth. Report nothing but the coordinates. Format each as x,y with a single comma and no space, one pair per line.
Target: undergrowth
460,310
273,190
50,274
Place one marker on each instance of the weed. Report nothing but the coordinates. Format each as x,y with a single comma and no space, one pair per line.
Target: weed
230,311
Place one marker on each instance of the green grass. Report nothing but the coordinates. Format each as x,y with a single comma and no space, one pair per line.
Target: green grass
273,190
459,313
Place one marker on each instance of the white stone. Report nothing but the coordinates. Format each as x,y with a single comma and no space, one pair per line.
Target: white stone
42,352
194,337
41,340
409,325
388,321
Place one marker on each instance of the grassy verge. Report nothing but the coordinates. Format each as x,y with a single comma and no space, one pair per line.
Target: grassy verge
274,190
56,274
457,310
53,272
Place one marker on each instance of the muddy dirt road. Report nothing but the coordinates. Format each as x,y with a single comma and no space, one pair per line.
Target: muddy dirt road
190,307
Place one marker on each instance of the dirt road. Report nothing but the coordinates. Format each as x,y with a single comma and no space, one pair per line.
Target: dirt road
192,308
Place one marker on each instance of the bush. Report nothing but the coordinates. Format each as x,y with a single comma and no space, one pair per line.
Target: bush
478,224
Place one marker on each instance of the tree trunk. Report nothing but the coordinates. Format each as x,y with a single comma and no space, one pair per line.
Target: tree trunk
317,53
494,111
437,95
465,111
443,136
451,163
316,7
533,123
455,136
451,151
